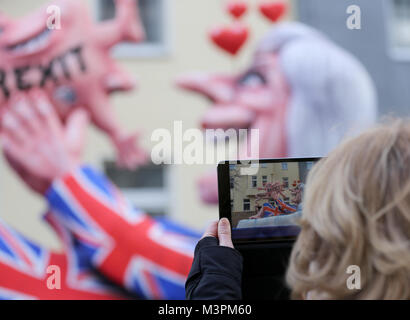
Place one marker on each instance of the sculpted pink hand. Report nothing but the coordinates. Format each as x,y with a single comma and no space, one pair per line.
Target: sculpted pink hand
36,144
72,65
302,92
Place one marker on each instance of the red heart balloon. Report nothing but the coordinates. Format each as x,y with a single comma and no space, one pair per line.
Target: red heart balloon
273,10
237,8
231,38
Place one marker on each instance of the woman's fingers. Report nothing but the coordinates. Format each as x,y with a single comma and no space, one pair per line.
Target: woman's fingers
220,230
211,230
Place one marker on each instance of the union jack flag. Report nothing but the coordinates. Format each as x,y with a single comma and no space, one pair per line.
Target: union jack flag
102,232
279,208
24,270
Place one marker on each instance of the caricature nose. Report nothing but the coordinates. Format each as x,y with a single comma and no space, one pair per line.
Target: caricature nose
217,88
227,115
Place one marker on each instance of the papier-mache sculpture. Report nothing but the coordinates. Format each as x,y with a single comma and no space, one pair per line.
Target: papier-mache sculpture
110,249
302,91
72,64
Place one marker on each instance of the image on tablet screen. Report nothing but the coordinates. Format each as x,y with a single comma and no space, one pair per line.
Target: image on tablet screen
268,203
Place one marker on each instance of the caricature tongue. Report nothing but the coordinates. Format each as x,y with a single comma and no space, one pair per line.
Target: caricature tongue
227,117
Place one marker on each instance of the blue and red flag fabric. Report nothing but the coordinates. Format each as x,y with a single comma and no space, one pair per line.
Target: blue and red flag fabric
279,207
103,234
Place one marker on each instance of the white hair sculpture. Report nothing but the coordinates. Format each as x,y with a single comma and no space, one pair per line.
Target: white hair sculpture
332,94
302,93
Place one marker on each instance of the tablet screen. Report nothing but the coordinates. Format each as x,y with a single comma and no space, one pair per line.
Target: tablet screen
266,203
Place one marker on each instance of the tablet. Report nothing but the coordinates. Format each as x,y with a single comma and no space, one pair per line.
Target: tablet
263,198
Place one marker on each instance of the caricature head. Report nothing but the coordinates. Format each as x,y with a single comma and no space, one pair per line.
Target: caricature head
60,49
269,187
303,93
297,193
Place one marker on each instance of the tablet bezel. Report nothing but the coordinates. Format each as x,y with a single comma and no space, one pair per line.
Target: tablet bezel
224,195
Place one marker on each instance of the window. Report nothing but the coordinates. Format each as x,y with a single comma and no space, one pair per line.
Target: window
232,183
246,205
284,166
399,28
264,165
154,16
285,181
148,188
254,181
309,165
231,205
264,180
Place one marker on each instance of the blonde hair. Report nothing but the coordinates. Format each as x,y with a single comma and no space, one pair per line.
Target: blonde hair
357,212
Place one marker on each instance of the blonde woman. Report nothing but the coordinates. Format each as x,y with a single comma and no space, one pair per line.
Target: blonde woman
356,212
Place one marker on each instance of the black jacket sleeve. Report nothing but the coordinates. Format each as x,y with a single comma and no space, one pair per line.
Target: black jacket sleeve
216,272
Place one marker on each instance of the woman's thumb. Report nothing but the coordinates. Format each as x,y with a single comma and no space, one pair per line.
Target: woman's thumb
224,233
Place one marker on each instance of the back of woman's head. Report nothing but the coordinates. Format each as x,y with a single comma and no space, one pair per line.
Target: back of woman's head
357,212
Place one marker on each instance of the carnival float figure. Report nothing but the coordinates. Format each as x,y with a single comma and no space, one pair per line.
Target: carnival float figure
67,55
51,83
273,200
302,92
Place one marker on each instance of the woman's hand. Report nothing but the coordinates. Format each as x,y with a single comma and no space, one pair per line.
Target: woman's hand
216,271
220,230
35,142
